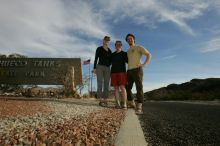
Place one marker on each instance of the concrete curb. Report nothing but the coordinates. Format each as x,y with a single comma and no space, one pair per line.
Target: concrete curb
130,133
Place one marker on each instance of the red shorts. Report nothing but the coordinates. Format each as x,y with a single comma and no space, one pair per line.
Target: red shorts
118,79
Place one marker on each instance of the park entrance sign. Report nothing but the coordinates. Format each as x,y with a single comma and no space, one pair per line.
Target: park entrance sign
41,71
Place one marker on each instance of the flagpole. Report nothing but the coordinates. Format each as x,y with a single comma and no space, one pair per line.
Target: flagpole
89,78
91,85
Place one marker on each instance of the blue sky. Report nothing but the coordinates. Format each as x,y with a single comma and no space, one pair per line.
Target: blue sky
183,36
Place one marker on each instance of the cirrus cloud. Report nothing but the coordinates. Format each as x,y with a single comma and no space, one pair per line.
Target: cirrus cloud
66,28
211,46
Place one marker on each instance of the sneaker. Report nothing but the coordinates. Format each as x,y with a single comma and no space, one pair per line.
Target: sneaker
103,103
139,110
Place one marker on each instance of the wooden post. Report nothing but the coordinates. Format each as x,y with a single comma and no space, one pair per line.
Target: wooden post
69,82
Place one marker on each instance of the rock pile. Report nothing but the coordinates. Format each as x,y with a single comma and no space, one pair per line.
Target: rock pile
52,123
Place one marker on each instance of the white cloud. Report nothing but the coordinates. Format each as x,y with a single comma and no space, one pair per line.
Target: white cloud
65,28
165,58
152,12
211,46
169,57
49,28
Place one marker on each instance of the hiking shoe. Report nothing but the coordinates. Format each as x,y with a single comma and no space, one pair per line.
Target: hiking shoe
139,112
101,103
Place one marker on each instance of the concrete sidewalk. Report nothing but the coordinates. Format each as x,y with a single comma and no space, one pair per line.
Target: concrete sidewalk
130,133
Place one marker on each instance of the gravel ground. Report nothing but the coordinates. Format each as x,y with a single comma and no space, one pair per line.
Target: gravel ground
12,108
176,123
54,123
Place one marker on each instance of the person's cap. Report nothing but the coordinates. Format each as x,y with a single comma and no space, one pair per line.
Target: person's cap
107,38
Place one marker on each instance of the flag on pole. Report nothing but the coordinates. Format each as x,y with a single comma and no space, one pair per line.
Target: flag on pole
86,62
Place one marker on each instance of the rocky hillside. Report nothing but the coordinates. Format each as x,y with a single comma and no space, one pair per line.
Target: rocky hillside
196,89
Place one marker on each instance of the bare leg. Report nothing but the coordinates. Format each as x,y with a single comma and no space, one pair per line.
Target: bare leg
124,95
117,96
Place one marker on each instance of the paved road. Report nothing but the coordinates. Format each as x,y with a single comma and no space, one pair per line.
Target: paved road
177,123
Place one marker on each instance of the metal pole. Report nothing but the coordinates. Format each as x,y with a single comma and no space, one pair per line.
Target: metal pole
91,85
89,79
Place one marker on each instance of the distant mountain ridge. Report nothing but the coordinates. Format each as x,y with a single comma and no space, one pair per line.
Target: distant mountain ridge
196,89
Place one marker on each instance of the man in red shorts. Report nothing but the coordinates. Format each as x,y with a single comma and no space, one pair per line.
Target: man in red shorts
118,74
